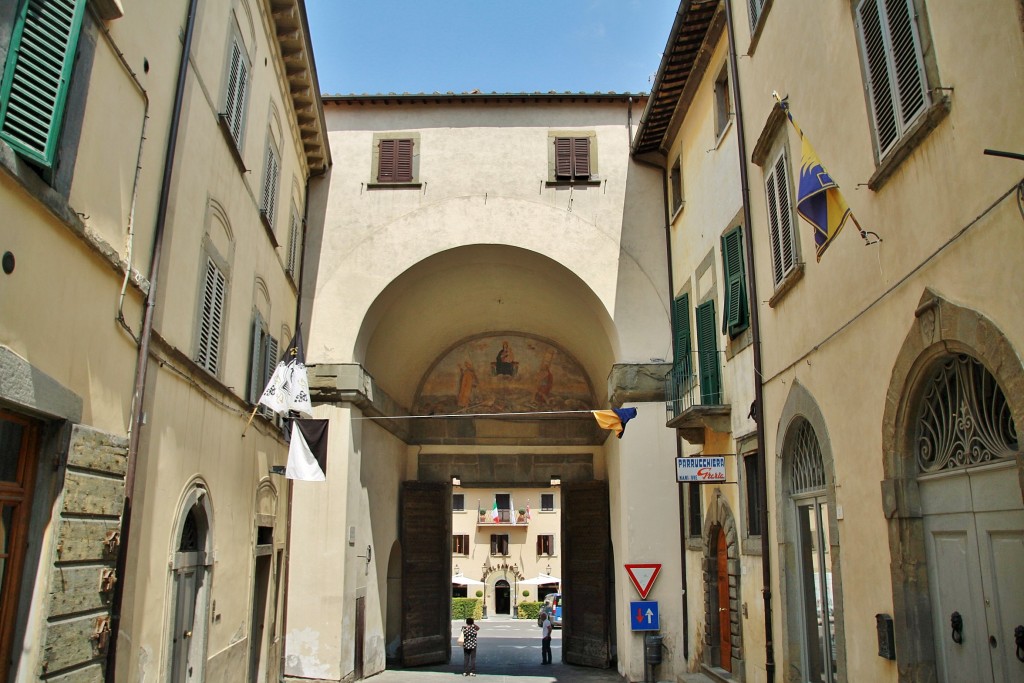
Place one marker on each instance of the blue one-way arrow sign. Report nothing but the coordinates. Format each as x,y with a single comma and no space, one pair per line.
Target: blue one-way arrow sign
643,615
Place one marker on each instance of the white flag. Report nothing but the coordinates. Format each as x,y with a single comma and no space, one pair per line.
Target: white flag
288,388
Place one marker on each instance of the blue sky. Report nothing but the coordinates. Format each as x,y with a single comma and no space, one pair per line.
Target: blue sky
382,46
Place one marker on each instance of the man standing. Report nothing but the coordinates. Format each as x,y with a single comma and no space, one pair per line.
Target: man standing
545,638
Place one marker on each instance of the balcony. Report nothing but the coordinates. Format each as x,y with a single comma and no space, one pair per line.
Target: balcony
694,397
506,518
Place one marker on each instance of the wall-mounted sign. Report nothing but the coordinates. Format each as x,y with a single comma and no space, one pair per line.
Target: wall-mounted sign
643,576
704,469
643,616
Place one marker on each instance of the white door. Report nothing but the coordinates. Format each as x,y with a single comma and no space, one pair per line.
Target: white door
974,537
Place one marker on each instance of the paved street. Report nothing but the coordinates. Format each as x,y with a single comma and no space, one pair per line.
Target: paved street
508,650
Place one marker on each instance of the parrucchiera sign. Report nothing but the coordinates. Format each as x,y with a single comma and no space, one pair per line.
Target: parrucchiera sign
701,469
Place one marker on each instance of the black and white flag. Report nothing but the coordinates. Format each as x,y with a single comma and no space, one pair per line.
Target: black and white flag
288,388
307,453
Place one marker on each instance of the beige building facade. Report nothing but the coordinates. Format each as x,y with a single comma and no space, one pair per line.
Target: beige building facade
153,215
886,364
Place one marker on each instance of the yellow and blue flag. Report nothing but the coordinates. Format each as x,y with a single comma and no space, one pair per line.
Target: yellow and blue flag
818,199
614,419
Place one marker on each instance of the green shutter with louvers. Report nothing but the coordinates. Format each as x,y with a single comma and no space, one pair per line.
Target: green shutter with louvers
35,82
256,358
734,319
707,355
682,355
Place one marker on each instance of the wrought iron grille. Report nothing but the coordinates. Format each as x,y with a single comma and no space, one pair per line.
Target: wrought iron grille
963,418
686,388
808,472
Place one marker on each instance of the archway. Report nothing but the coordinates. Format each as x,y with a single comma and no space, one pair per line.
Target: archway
502,597
192,558
972,359
722,635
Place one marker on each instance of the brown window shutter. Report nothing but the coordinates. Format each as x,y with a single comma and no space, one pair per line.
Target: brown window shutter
581,157
540,545
403,161
386,165
563,157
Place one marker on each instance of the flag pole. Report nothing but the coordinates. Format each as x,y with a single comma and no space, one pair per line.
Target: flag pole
251,416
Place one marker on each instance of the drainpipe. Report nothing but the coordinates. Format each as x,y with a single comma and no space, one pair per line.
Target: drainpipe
741,144
145,337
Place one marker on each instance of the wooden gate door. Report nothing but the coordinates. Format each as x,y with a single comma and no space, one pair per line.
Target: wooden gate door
724,620
426,537
586,575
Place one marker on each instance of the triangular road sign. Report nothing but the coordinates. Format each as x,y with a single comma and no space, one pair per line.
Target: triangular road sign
643,576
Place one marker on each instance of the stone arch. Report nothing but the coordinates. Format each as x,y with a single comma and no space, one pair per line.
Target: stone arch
941,328
801,405
720,520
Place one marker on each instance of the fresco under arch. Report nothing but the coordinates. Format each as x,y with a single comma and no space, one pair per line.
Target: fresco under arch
502,374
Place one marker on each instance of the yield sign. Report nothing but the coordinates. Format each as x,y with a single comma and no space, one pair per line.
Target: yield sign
643,576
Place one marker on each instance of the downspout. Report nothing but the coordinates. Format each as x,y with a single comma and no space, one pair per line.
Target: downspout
741,144
145,336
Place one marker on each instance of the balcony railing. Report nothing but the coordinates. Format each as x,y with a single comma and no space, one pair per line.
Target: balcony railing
696,381
505,518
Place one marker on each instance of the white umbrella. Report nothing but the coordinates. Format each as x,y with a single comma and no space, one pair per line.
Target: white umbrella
540,580
465,581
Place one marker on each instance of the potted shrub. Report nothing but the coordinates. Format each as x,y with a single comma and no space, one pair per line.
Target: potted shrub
483,514
526,594
522,515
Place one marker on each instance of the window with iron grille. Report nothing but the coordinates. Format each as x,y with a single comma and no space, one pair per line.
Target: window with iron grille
547,502
458,502
545,544
236,91
271,176
890,46
695,525
211,317
499,544
752,489
780,217
460,544
734,319
34,89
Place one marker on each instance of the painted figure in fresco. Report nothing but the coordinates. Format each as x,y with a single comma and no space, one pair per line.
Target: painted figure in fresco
467,385
545,380
505,362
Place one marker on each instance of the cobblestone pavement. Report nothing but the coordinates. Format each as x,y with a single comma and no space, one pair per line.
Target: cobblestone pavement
508,650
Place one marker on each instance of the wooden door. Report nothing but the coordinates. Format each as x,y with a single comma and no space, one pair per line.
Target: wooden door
183,669
426,538
586,574
257,626
724,617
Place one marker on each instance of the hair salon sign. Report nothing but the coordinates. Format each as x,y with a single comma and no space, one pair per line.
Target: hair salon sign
703,470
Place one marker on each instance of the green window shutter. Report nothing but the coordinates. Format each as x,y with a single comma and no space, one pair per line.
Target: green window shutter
682,354
211,317
257,358
734,320
37,75
707,355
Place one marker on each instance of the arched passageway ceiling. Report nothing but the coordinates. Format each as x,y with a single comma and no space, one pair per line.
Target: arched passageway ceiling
475,290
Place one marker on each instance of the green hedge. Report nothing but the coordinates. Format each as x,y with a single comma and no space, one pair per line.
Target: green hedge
467,607
529,610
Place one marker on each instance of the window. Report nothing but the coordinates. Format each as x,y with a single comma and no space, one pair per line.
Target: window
211,316
458,502
547,502
722,101
734,320
263,359
545,544
695,527
35,82
460,544
676,185
780,218
752,488
755,7
572,156
18,439
233,115
395,165
271,174
294,245
707,355
894,65
499,544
